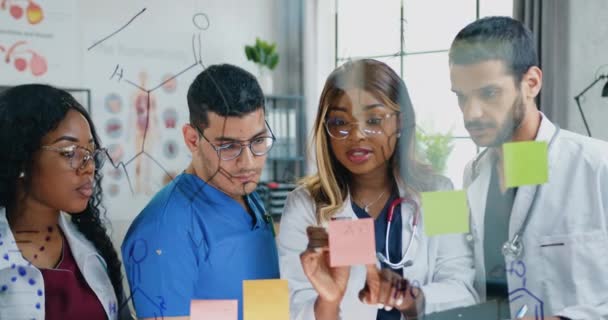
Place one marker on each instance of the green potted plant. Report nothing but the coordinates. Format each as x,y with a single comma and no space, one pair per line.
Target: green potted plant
435,149
265,55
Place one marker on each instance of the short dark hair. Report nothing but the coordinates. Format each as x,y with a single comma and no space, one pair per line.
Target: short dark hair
496,38
226,90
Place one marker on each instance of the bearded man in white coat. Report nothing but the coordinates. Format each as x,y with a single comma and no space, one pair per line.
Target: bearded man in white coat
542,248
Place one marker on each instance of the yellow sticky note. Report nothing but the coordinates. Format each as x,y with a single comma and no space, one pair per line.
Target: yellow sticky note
445,212
265,300
351,242
214,309
525,163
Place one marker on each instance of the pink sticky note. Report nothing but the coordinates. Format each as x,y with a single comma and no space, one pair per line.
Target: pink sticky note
214,309
352,242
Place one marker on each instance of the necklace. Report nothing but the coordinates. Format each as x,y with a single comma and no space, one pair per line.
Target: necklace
367,205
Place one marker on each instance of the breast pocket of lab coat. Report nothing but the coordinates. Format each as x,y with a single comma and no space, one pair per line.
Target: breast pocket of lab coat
575,268
17,301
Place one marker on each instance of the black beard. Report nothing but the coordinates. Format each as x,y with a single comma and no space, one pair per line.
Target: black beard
507,129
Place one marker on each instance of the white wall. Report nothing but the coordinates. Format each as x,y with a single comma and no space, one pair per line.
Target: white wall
319,61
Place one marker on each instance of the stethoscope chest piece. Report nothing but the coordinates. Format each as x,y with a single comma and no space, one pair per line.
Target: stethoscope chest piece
513,248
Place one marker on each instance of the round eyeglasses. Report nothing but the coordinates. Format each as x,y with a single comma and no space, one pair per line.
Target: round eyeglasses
373,125
79,157
228,151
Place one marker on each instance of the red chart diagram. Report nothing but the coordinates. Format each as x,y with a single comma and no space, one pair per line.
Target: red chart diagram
19,56
32,12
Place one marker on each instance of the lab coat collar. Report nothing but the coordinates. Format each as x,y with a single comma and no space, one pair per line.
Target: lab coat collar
346,212
88,260
93,267
526,194
481,171
81,247
347,209
407,214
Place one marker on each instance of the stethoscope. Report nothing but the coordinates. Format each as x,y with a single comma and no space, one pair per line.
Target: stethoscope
514,247
385,258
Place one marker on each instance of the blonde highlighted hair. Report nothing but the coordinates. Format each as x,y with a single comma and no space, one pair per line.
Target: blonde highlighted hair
329,186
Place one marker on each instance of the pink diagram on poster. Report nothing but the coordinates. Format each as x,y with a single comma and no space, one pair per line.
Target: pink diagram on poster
116,152
113,190
115,173
113,128
19,58
113,103
170,118
33,11
169,83
170,149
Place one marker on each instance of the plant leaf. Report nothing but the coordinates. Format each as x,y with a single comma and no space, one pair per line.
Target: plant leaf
263,57
256,55
249,52
263,53
273,61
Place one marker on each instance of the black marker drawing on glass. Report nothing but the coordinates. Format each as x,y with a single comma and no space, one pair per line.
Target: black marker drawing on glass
139,249
115,32
201,23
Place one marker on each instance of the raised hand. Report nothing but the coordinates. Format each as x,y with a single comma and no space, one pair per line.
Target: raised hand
329,282
389,290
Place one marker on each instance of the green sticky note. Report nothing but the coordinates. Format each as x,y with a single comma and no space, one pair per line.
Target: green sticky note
525,163
445,212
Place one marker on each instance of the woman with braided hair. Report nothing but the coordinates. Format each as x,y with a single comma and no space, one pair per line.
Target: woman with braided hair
56,259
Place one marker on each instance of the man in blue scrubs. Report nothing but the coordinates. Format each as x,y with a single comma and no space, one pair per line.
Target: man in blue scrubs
207,230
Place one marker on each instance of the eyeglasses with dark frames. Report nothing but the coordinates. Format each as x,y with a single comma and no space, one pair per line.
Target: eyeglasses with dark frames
259,146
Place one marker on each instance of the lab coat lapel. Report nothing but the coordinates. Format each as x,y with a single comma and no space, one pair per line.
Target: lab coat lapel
477,194
345,213
521,207
80,246
407,218
524,199
91,265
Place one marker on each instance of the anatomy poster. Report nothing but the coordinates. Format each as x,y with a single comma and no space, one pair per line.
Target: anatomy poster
38,42
139,104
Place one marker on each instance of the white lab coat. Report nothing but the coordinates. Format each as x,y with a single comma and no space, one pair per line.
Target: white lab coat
566,240
443,265
19,300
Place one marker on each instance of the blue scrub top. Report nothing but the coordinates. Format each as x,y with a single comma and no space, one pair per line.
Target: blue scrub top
193,241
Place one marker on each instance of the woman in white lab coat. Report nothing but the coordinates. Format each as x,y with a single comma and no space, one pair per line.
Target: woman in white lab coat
365,114
56,260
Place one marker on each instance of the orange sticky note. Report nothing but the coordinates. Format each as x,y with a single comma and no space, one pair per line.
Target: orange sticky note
214,309
352,242
265,300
